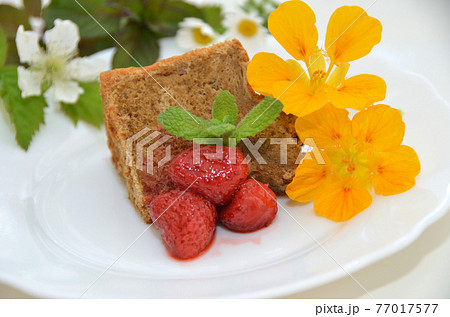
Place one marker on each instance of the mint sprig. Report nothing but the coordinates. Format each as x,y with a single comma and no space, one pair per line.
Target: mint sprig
186,125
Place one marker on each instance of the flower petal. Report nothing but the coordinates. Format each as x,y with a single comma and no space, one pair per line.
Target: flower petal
298,99
380,127
327,126
27,43
293,26
351,34
86,68
63,38
358,92
29,81
338,75
340,201
395,171
265,69
309,179
66,91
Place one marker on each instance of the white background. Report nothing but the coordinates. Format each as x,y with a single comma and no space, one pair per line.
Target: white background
416,35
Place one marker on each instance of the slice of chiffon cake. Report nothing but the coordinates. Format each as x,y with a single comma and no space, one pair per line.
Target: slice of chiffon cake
134,97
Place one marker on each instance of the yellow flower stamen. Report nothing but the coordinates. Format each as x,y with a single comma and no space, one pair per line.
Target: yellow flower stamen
53,66
247,28
200,37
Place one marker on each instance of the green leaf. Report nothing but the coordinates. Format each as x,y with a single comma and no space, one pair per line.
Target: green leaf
12,57
258,118
217,130
3,48
164,20
107,16
140,43
224,107
11,18
213,16
182,123
26,114
33,7
88,108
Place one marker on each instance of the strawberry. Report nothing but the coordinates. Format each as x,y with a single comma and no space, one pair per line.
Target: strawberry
214,172
253,207
186,221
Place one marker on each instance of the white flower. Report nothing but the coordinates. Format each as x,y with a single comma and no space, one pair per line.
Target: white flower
194,33
245,27
55,68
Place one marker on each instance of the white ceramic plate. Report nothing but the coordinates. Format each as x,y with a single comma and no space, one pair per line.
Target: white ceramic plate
65,217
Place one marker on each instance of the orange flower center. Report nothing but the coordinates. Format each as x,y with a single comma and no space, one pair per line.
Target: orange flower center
350,161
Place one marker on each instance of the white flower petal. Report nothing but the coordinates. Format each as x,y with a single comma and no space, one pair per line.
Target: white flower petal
66,91
29,81
63,38
49,96
86,68
252,43
185,35
27,43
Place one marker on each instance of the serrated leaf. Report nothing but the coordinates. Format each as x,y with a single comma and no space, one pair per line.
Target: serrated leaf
11,18
107,16
183,123
217,130
33,7
258,118
140,43
88,108
26,114
224,107
3,48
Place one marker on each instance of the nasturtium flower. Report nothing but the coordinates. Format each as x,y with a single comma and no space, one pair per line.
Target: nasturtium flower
55,70
246,27
351,34
359,154
194,33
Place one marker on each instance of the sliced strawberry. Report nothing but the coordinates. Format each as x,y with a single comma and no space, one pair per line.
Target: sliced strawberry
253,207
186,220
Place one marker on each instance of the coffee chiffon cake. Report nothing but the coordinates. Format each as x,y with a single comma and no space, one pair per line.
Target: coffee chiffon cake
134,97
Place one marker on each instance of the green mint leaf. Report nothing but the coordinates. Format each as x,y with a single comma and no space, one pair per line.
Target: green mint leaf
3,48
26,114
258,118
217,130
88,108
224,107
183,123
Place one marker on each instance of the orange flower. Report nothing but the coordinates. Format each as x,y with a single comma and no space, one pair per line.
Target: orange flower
351,34
359,154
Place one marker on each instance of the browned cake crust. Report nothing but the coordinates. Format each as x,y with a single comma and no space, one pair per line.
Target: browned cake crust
134,97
